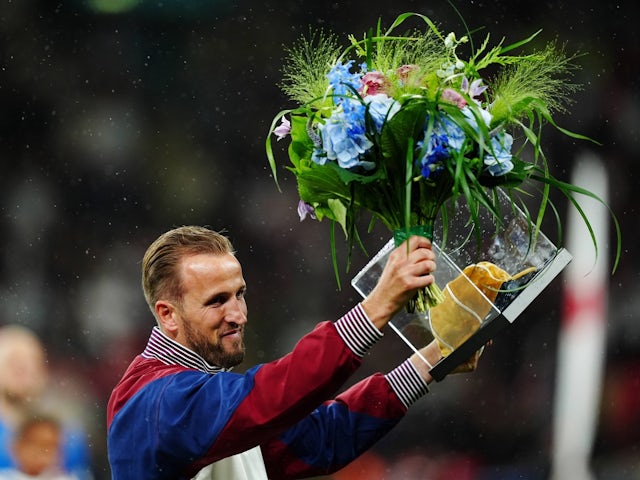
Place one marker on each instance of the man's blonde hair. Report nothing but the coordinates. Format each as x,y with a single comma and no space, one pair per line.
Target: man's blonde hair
159,275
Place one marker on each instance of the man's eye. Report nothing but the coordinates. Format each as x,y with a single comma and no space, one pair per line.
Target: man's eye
215,302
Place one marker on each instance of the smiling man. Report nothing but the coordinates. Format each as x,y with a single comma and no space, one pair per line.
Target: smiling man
209,312
179,412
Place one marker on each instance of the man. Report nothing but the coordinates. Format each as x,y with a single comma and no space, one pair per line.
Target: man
180,413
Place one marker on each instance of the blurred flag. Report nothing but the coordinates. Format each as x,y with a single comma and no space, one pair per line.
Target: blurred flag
582,340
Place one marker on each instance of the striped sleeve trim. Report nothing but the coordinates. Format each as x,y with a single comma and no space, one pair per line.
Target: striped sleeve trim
407,383
357,331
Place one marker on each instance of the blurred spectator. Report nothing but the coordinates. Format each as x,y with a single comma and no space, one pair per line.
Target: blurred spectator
37,450
23,388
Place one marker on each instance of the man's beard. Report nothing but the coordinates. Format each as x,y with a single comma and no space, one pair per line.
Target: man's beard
213,353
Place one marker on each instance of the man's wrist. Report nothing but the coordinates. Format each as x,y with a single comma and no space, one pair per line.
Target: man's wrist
378,315
424,360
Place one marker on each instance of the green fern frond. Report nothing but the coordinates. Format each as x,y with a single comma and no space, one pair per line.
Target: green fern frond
306,65
540,79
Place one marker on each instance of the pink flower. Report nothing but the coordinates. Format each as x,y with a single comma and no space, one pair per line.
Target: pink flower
405,71
451,96
283,129
374,83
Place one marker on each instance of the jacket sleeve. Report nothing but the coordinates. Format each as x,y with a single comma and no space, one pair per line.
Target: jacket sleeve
342,429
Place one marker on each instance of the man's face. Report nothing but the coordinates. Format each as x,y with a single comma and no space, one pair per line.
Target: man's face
213,310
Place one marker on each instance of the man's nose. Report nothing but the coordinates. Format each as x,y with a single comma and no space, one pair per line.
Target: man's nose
236,311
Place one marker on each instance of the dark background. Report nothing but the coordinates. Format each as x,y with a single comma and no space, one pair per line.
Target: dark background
121,119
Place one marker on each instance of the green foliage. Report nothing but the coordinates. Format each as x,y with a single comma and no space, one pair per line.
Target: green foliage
537,82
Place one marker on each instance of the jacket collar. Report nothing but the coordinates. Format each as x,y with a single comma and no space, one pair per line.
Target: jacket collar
170,352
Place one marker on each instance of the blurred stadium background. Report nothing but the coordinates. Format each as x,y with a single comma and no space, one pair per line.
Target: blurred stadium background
120,119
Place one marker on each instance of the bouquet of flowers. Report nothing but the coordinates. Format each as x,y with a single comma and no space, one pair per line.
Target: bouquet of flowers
397,125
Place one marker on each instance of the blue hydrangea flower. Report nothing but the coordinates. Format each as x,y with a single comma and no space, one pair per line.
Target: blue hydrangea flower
447,138
381,108
498,160
342,81
436,152
451,131
343,138
472,120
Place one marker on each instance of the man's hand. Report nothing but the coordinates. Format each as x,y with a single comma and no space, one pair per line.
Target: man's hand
431,354
408,269
424,361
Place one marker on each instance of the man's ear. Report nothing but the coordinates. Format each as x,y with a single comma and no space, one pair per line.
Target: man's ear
166,314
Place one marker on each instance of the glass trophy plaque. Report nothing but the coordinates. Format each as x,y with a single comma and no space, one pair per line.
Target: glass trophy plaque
488,273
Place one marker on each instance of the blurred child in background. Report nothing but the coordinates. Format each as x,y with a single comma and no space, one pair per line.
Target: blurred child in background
37,450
